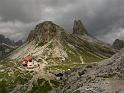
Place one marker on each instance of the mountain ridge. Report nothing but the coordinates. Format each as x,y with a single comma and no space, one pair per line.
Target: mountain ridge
55,51
70,47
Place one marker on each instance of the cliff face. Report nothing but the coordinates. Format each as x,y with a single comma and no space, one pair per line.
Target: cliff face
44,32
118,44
79,28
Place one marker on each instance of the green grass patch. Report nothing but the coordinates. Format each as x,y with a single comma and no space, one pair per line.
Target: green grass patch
89,57
22,78
43,86
13,79
55,83
50,45
40,44
73,56
62,67
3,86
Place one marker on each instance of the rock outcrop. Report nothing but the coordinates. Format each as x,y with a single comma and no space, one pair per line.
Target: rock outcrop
79,28
8,41
44,32
104,77
118,44
5,50
7,45
19,43
3,39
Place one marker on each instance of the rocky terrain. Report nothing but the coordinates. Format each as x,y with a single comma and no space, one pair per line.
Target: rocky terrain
50,44
105,77
7,45
56,51
8,41
5,49
118,44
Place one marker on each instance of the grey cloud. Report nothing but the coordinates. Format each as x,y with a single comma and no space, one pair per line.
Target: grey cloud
15,30
22,10
102,18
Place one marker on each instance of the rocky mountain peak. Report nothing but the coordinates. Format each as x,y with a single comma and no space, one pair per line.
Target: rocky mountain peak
8,41
58,42
44,31
79,28
118,44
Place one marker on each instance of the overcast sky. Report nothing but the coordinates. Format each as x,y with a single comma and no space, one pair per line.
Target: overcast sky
104,19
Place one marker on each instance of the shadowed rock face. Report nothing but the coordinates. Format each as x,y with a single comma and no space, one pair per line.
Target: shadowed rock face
5,49
118,44
19,43
44,32
79,28
7,45
3,39
7,41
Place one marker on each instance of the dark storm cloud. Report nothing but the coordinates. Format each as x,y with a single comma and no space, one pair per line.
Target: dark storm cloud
103,18
112,13
22,10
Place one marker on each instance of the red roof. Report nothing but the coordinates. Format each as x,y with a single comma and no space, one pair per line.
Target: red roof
27,58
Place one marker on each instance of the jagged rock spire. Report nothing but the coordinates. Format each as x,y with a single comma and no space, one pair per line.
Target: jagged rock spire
79,28
118,44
